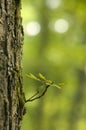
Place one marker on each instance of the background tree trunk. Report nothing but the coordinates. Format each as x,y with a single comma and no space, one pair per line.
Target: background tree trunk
11,93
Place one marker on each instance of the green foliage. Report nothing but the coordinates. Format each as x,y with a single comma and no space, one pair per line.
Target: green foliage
41,78
45,85
32,77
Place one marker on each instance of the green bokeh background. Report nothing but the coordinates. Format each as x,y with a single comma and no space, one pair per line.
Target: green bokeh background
61,57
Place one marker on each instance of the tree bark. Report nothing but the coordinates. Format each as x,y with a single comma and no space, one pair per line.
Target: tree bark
11,90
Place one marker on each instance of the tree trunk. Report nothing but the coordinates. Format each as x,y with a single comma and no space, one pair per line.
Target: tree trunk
11,91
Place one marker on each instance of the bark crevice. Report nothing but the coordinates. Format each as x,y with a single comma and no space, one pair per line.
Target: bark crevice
11,39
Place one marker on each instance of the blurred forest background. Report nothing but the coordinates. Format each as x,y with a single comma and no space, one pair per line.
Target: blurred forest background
55,45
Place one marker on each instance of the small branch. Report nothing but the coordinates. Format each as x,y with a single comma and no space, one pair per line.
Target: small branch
34,97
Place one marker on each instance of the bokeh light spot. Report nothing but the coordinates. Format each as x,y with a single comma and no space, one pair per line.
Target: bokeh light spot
61,25
53,4
33,28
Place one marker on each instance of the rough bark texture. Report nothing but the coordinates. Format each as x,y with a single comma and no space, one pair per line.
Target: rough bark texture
11,93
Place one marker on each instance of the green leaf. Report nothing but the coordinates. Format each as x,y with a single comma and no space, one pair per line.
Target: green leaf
32,76
43,80
55,85
49,81
41,76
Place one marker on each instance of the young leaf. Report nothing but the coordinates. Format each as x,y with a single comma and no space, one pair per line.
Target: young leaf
55,85
42,89
41,76
49,81
32,76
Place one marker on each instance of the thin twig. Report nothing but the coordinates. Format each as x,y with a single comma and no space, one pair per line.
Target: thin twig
34,97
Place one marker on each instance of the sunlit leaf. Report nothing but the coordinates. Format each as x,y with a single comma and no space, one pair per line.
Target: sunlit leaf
32,76
41,76
49,81
43,80
55,85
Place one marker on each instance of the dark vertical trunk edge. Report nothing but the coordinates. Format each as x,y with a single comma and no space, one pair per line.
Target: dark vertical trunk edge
11,39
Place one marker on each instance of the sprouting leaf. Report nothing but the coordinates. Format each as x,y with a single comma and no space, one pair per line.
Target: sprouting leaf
61,84
41,76
32,76
43,80
42,89
55,85
49,81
